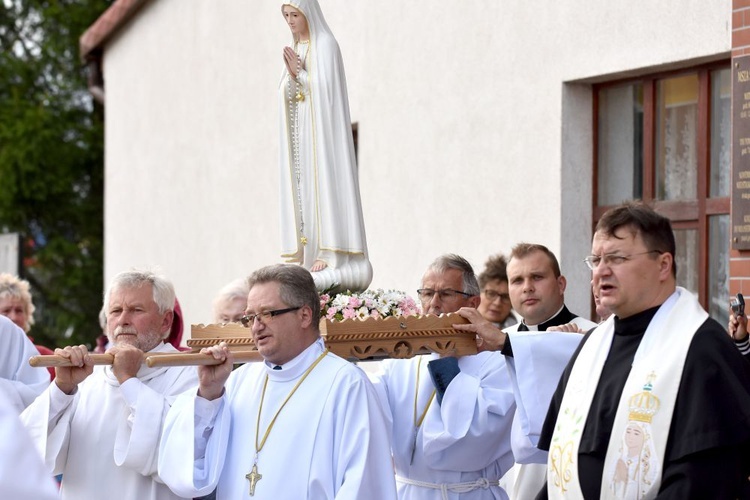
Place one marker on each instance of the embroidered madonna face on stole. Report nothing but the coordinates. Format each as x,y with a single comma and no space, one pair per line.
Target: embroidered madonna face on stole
637,466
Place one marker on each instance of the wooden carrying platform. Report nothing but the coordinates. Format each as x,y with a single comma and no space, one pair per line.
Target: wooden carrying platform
354,339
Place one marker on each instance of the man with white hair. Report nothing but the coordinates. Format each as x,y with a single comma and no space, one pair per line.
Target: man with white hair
100,426
231,301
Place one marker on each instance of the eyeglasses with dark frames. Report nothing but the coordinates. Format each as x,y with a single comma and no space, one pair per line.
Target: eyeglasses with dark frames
492,295
265,316
612,259
427,294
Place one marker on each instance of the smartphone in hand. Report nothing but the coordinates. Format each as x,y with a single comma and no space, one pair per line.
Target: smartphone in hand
738,305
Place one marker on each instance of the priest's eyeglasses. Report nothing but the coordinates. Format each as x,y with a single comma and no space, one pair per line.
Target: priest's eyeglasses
427,294
612,259
265,316
492,296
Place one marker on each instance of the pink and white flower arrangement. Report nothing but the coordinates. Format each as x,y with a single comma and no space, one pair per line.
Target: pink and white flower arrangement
368,304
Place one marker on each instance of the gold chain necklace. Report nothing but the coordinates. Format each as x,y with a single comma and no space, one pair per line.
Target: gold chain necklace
254,476
418,423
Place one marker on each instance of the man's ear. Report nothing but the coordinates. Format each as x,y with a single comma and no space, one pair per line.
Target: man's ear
474,301
562,283
306,316
166,324
665,266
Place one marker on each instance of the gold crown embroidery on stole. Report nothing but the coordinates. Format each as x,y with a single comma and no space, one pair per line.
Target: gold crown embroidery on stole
644,405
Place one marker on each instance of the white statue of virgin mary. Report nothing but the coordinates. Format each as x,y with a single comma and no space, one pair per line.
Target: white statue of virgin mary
321,212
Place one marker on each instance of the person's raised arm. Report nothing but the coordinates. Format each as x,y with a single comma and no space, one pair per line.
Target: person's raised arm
212,378
737,327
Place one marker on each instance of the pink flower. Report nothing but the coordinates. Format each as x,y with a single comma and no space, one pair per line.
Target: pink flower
324,300
375,314
355,302
348,313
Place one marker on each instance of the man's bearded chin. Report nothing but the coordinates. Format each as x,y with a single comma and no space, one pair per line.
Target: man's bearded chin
145,341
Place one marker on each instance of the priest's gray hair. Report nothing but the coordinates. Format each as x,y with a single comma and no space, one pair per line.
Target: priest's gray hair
452,261
296,286
162,288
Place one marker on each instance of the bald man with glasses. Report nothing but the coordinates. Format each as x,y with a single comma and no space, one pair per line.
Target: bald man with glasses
450,417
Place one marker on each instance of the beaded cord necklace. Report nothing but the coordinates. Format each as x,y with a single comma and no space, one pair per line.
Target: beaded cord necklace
295,89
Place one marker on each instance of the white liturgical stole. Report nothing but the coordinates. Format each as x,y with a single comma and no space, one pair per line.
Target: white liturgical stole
633,465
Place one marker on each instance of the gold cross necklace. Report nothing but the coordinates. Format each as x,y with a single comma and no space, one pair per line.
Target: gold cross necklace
254,476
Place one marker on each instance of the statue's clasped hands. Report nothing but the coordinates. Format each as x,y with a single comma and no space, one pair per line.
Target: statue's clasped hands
292,61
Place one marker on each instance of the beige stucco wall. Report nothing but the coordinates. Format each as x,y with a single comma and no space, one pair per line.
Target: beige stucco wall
474,128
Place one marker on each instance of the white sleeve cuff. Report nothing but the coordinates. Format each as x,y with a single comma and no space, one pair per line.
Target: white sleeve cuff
130,389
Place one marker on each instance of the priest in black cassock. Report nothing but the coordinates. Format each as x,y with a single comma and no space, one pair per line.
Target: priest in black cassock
656,400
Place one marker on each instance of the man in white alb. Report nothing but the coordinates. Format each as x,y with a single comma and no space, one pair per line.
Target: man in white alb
535,356
303,424
99,426
451,417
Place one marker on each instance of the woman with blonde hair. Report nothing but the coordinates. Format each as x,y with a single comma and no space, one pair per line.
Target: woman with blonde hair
16,304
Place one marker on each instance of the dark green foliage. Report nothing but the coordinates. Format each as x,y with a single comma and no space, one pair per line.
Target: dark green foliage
52,163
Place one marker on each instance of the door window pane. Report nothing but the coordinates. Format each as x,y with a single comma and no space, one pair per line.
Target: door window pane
718,270
720,132
676,159
687,258
620,145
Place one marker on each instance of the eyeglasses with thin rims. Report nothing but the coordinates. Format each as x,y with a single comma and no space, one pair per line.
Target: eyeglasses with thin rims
492,296
265,316
427,294
612,259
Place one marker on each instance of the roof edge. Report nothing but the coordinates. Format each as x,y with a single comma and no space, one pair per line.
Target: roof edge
107,25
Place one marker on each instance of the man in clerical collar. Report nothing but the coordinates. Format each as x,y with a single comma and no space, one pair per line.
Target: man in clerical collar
536,357
303,424
627,428
99,426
